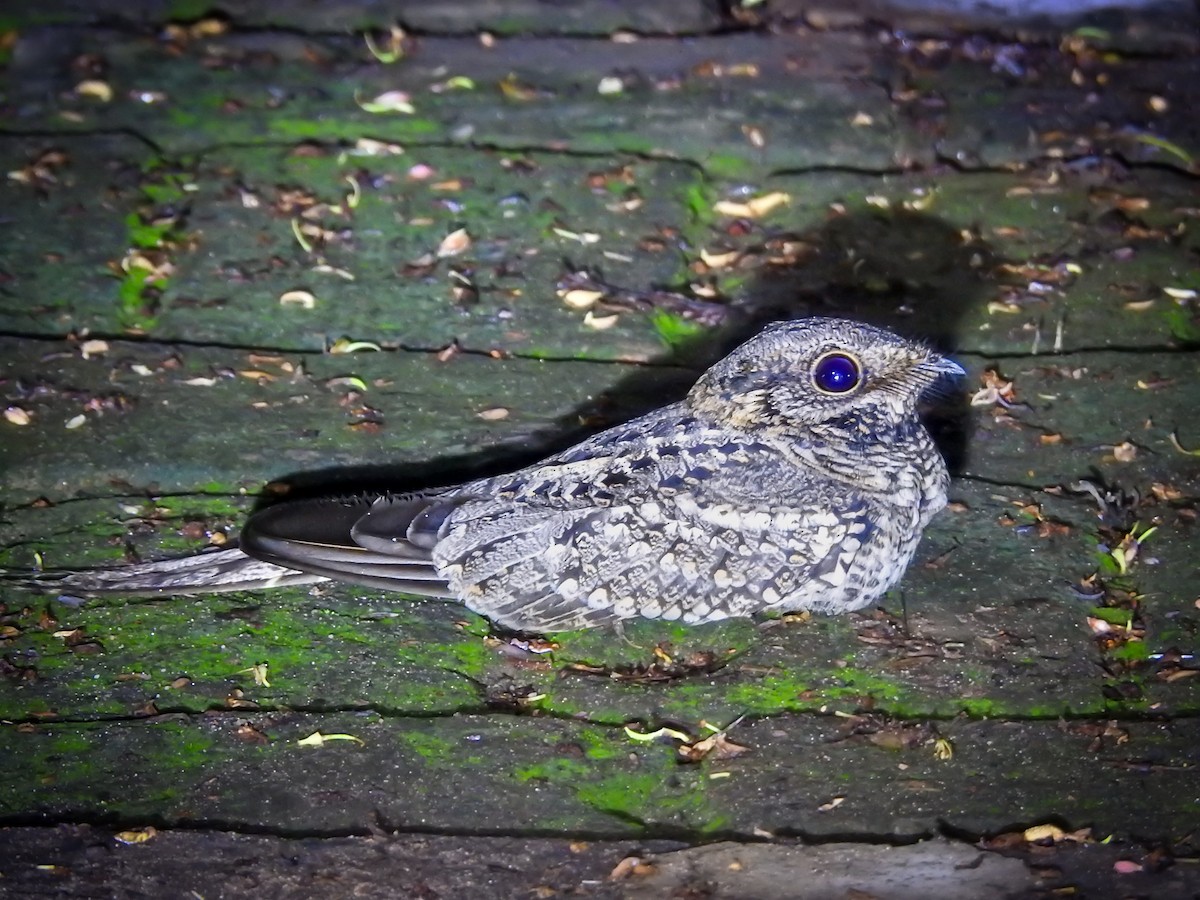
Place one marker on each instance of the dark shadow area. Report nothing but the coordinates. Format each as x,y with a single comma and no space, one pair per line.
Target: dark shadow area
906,271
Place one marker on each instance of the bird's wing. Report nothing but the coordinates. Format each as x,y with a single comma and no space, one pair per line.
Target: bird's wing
542,569
604,531
410,543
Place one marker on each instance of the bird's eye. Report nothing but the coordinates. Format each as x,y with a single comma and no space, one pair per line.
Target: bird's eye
837,373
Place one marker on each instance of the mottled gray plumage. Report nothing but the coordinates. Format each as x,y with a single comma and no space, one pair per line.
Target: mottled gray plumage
794,476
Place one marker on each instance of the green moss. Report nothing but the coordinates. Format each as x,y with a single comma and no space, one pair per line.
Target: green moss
557,770
979,707
134,302
674,330
601,743
853,682
698,200
674,798
182,118
69,743
431,747
34,16
727,166
654,790
1131,651
395,129
814,689
66,763
724,640
189,10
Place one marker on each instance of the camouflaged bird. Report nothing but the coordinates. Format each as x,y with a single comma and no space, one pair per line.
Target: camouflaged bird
795,475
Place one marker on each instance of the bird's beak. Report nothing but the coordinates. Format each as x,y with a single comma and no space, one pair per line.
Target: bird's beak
944,366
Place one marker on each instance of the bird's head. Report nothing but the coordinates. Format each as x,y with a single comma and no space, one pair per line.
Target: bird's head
807,372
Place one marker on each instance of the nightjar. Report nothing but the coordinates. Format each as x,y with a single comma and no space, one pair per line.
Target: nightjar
795,475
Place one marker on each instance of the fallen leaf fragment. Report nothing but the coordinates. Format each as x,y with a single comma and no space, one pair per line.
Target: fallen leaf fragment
1174,438
393,48
345,345
1044,833
1165,492
600,323
754,136
94,347
630,866
303,299
454,244
259,672
995,390
355,195
387,102
1125,452
1126,552
326,269
514,89
251,735
209,27
138,836
832,804
316,739
752,209
719,259
583,237
1153,140
353,382
372,147
96,89
453,83
646,737
716,746
580,298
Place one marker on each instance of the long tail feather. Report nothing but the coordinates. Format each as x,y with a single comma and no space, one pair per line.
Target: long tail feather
215,572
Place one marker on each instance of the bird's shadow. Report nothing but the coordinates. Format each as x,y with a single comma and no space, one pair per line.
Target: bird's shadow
907,271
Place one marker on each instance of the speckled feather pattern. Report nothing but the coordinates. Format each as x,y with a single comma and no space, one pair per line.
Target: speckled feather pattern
759,491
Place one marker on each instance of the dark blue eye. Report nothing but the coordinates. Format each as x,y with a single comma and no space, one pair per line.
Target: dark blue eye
837,373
